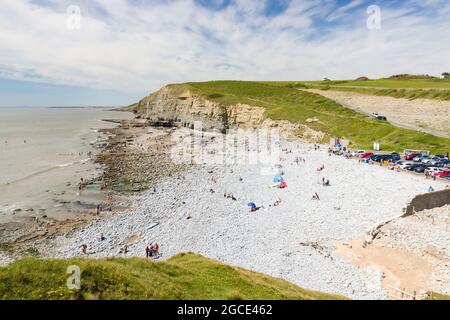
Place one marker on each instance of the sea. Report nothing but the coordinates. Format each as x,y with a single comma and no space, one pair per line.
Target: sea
44,152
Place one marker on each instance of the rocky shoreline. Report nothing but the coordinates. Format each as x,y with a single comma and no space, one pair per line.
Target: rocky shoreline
129,166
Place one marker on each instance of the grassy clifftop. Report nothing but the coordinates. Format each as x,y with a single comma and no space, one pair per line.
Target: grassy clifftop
185,276
403,87
284,101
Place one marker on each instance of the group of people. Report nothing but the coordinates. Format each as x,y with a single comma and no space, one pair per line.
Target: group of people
229,196
152,250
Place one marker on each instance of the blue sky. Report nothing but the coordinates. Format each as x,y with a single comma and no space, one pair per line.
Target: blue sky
125,49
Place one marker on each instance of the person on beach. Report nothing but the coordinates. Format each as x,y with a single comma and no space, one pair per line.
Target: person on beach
156,249
81,184
315,196
430,189
152,250
84,249
147,251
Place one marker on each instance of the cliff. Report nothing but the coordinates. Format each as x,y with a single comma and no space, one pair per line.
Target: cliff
181,105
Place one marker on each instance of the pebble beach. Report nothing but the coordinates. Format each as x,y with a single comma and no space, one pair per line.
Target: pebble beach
291,236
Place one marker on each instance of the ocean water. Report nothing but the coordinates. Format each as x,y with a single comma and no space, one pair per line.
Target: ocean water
43,155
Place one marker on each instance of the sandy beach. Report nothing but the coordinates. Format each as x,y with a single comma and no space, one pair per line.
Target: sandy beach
291,236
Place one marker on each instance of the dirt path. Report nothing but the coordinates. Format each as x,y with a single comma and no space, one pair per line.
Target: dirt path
430,116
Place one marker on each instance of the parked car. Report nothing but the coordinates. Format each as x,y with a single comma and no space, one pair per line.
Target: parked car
395,156
357,153
378,117
433,161
405,165
366,155
420,168
444,163
425,159
376,157
414,166
442,174
433,170
411,156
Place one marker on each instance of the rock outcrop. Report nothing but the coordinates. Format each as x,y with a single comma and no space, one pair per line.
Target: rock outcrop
178,105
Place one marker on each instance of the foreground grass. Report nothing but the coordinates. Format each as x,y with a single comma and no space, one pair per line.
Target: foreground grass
437,296
185,276
283,101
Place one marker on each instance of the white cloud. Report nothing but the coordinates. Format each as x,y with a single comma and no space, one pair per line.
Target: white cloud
142,47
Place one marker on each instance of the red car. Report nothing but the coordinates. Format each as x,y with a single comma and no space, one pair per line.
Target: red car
412,156
442,174
366,155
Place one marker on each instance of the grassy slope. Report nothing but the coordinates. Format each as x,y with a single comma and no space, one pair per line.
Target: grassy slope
284,102
397,88
391,83
437,296
185,276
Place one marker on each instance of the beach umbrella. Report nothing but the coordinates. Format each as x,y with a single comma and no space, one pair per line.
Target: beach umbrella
251,204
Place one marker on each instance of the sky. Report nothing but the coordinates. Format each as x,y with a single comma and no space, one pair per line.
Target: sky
114,52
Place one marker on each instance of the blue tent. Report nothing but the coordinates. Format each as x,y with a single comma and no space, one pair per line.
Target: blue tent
278,179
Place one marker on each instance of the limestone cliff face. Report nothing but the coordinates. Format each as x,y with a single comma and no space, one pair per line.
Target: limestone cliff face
177,105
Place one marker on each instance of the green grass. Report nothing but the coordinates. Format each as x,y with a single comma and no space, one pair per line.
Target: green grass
437,296
389,83
283,101
435,89
185,276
